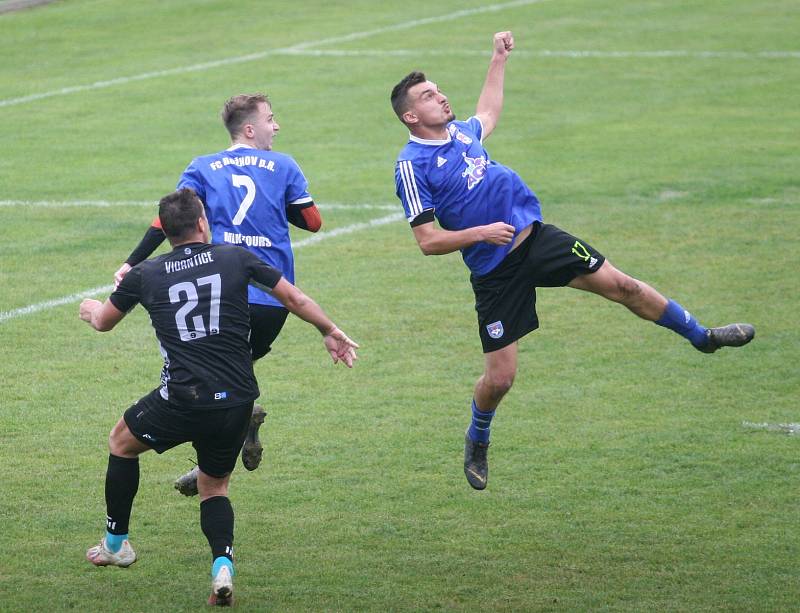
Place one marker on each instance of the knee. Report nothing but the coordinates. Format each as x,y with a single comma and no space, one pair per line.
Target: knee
628,290
499,383
115,446
209,487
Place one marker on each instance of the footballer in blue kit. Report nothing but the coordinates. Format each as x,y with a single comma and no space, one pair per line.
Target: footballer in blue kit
247,193
456,179
251,194
485,210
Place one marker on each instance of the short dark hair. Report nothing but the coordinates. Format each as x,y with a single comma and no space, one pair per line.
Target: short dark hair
399,95
179,212
239,109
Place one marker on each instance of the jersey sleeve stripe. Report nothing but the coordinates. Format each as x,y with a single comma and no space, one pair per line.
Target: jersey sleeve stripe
410,187
302,200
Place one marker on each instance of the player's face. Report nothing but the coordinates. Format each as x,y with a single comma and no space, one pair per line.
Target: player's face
264,127
429,105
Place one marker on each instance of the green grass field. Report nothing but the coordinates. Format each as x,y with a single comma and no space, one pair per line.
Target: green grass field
626,470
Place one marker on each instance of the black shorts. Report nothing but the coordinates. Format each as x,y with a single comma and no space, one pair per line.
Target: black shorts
216,434
266,323
505,298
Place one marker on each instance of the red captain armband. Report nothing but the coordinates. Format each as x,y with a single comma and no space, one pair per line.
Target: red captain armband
305,216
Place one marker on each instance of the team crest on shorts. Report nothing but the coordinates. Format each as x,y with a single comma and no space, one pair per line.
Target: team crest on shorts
495,330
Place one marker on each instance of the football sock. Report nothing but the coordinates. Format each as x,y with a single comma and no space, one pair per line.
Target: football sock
122,483
479,427
216,520
219,563
678,319
114,541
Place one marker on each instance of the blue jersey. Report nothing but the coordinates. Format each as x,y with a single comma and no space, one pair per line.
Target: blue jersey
464,188
245,192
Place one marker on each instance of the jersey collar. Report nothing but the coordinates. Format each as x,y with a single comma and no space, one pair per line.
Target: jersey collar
239,146
433,142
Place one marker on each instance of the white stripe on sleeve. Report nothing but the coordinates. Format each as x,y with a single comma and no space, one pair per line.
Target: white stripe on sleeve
410,187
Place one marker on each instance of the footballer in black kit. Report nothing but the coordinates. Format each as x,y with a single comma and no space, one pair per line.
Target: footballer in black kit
196,296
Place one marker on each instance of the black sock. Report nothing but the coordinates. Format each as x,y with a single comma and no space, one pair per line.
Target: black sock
122,483
216,520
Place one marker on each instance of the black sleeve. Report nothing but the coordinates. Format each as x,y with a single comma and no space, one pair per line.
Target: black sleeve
425,217
294,213
149,243
128,292
262,275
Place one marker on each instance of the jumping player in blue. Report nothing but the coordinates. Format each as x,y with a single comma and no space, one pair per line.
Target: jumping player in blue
485,210
250,194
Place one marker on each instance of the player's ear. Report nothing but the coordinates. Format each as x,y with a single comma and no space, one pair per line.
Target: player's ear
409,118
202,226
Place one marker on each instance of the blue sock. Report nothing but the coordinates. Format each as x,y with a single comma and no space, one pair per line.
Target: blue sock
678,319
114,541
479,427
219,563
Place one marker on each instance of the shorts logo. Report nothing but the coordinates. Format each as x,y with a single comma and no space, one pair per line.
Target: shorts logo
592,262
220,395
495,330
581,251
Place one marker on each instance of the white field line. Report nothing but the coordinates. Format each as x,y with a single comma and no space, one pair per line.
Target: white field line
356,227
544,53
262,54
106,289
58,204
489,8
49,304
790,428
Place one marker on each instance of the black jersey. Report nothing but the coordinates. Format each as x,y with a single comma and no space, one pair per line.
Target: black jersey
196,296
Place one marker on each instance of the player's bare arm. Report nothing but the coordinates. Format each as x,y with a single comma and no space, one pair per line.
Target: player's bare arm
490,103
434,240
339,346
102,316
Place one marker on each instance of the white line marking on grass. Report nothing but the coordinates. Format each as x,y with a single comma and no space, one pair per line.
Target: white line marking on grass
335,206
105,289
49,304
489,8
262,54
544,53
785,428
140,77
373,223
55,204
